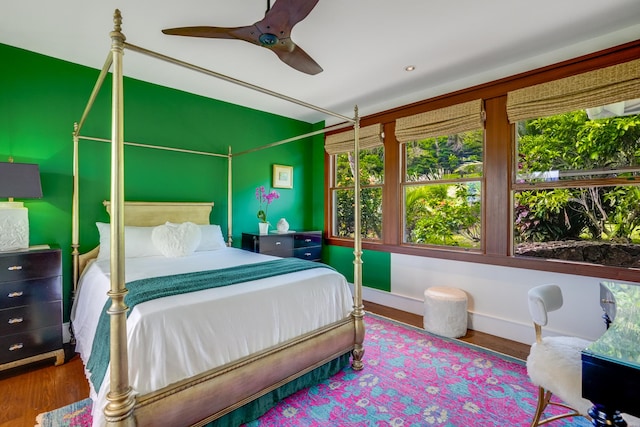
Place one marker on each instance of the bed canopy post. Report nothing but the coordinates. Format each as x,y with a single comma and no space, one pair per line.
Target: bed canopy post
358,307
75,238
229,201
119,409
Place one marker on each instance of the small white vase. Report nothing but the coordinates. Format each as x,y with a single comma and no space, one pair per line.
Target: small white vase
282,226
263,227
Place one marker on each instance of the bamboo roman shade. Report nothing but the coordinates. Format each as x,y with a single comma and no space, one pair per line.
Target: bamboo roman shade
591,89
441,122
370,137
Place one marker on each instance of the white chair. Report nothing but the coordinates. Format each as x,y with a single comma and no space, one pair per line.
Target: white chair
554,363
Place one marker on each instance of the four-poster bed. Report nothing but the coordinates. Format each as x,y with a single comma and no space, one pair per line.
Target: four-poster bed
271,370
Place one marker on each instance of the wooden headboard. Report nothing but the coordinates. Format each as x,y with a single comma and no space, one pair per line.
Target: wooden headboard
149,214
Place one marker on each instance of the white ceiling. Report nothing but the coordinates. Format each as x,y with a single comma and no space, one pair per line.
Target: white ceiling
362,45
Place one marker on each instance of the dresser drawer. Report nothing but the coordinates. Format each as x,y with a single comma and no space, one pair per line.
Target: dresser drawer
270,244
277,245
302,240
20,346
311,253
29,265
26,318
15,294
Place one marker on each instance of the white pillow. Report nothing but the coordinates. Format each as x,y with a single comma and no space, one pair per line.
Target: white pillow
176,240
137,242
211,238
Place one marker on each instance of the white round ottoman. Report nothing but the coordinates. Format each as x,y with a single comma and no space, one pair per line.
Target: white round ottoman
445,311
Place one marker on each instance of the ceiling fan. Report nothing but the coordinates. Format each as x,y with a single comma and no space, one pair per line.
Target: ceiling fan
272,32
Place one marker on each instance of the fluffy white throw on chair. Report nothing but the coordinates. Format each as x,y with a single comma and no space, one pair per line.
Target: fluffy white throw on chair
555,364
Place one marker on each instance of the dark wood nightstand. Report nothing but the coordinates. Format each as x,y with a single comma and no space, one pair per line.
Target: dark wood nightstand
30,307
299,244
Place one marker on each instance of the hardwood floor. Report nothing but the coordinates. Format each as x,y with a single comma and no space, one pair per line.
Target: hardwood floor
27,391
30,390
501,345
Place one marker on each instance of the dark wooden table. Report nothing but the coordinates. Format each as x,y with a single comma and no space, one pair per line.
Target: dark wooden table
611,365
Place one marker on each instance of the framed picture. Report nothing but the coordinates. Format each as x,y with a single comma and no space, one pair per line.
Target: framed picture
282,176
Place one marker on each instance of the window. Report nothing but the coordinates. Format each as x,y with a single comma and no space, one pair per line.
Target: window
442,189
371,162
371,180
576,187
442,176
576,197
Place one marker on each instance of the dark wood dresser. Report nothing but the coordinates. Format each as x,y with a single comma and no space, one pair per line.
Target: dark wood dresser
30,307
299,244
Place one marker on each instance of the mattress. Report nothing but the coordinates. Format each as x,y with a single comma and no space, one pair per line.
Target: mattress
173,338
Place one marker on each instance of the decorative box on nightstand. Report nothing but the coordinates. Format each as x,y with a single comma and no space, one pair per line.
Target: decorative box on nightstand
30,306
299,244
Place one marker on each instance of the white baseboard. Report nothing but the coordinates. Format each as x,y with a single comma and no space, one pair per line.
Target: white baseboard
504,328
399,302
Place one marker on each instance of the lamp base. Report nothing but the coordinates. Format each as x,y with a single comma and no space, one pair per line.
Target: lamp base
14,226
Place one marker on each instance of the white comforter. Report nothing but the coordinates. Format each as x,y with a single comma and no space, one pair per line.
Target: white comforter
176,337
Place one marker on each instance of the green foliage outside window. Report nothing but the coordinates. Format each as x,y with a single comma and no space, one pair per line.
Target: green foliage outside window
578,148
442,214
371,180
445,209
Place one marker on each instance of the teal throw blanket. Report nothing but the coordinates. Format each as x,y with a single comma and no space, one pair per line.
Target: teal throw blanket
158,287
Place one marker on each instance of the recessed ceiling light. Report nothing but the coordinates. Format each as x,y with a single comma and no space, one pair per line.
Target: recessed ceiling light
410,68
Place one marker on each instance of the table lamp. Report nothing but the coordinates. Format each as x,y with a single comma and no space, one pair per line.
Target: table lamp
20,180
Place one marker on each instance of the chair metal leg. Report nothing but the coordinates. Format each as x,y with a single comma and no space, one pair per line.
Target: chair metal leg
544,400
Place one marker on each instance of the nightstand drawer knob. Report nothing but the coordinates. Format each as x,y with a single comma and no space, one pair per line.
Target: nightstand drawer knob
307,240
16,294
16,320
15,347
15,268
278,243
307,254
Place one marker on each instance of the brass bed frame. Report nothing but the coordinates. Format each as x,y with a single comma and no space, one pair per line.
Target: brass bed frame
212,394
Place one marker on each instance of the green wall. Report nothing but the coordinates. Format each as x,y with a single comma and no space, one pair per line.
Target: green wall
42,97
376,266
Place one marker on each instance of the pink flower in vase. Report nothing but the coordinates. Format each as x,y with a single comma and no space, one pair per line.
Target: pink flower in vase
265,199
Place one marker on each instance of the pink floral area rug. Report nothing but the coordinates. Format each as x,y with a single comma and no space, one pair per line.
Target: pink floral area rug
411,378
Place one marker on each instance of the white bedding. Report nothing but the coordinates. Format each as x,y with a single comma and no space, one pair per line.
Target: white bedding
176,337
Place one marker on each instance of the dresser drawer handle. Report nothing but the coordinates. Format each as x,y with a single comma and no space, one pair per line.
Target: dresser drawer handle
15,347
15,267
16,294
307,240
16,320
307,254
278,243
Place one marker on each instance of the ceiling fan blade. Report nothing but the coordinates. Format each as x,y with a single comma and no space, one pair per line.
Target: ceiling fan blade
272,32
295,57
283,15
209,32
294,10
249,34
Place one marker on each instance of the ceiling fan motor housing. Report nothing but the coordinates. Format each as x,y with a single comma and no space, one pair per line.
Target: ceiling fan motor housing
268,39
